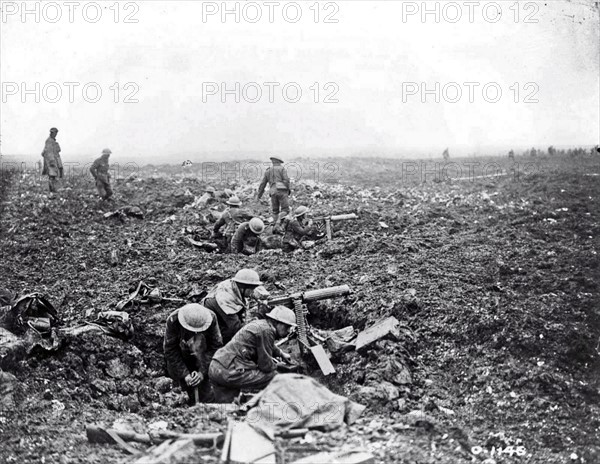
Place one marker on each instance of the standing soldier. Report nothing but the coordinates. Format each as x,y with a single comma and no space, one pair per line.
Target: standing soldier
192,337
101,174
52,163
279,189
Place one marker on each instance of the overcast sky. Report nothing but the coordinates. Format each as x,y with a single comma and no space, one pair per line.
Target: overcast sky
370,64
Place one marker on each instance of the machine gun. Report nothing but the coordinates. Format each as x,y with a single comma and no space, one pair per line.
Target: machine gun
329,219
297,302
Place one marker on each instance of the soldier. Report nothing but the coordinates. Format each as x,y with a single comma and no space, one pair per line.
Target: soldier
279,189
192,337
231,218
101,174
246,239
246,362
296,229
53,166
229,300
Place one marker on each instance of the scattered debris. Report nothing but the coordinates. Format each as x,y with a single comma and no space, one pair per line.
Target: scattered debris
384,328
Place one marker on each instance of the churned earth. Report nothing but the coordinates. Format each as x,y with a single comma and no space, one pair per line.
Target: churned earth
493,276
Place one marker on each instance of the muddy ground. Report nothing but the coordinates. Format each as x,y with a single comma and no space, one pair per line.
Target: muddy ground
494,277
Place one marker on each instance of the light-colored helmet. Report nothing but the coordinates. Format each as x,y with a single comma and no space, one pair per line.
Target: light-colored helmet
194,317
257,226
300,210
106,151
210,189
283,314
234,201
248,277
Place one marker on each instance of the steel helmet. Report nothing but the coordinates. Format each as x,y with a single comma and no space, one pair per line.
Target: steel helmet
276,159
248,277
283,314
300,210
234,201
53,129
257,226
210,189
194,317
106,151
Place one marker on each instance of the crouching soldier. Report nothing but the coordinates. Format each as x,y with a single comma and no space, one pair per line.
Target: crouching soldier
296,229
246,362
229,300
192,337
100,171
246,239
231,218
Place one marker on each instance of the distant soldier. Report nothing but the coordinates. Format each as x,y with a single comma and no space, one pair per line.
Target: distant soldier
246,239
446,154
231,218
229,300
277,178
53,166
247,361
511,154
192,337
208,196
100,171
296,229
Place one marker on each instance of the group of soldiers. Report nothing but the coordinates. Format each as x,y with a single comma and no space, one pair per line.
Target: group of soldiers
214,350
237,230
53,167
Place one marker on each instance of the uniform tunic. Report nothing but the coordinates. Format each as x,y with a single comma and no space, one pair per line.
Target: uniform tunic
229,306
245,241
277,178
247,360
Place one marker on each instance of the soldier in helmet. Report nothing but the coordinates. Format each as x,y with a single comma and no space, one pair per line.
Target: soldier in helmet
230,300
53,166
246,362
296,229
231,218
100,171
192,337
246,239
279,189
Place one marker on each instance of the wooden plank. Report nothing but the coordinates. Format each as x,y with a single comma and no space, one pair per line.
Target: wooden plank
249,446
342,457
322,359
377,332
227,443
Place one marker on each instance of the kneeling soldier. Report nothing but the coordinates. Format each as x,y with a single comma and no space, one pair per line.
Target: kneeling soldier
246,362
192,337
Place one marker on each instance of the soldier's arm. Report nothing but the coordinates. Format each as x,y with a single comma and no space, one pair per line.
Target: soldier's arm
264,352
214,340
237,241
220,222
263,184
172,350
94,169
286,179
297,229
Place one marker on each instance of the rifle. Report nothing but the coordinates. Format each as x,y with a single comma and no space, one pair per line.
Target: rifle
329,219
297,301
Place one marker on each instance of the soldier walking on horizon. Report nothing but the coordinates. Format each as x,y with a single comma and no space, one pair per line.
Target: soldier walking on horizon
53,166
100,171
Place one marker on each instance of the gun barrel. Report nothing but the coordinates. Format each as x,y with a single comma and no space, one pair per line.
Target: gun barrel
344,217
312,295
326,293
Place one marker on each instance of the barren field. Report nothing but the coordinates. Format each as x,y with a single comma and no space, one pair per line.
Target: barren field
494,278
